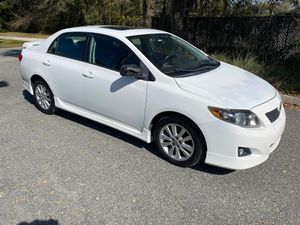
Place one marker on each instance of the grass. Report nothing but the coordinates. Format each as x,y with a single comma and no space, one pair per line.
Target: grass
10,43
21,34
284,76
248,62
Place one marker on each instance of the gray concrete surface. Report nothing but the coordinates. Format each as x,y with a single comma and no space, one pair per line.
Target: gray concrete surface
70,169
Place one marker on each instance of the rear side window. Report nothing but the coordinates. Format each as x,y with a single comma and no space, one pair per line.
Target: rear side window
110,52
70,45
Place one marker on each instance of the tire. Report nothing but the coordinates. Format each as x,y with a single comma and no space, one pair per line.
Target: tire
43,97
186,137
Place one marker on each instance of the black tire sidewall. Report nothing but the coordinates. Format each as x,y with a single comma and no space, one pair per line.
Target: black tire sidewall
198,151
51,109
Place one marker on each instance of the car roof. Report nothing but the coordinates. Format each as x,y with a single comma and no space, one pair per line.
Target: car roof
114,30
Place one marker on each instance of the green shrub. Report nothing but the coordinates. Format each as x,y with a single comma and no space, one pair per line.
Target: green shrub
10,43
248,62
284,76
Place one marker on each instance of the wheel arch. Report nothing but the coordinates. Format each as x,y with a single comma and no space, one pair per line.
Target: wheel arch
36,77
180,116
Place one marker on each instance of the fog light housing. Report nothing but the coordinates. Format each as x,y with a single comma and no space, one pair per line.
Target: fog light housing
242,151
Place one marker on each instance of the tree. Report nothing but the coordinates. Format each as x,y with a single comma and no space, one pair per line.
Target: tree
52,15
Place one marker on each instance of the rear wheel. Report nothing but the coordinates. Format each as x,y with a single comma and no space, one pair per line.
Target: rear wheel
178,141
44,100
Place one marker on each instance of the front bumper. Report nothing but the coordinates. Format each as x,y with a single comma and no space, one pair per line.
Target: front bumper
223,139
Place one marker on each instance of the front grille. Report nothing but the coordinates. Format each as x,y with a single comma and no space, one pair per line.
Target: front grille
273,115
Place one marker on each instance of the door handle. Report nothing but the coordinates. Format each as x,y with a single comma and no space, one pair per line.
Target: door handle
88,75
46,63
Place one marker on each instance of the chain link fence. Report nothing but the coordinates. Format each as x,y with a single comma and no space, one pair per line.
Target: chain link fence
271,38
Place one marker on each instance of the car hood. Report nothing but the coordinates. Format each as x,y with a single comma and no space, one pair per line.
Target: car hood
229,86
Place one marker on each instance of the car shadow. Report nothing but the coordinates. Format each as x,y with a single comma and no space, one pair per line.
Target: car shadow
3,83
10,53
108,130
41,222
28,97
125,137
211,169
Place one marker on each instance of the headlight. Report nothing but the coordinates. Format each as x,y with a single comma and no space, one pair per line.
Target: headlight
242,118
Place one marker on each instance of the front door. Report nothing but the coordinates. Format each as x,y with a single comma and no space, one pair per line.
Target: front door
108,93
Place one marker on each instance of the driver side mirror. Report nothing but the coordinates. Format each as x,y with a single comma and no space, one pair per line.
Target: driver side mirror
140,72
131,71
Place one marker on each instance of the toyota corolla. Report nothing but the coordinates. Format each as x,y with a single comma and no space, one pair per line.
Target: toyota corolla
157,87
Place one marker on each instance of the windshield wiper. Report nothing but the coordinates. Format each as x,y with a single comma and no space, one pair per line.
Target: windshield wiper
209,62
203,66
206,64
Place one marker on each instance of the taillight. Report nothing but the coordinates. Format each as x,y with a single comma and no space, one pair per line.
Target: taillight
20,57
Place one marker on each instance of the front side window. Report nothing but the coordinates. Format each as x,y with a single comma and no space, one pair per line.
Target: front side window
70,45
111,53
173,56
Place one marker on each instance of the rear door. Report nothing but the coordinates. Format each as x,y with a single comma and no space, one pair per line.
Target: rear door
64,65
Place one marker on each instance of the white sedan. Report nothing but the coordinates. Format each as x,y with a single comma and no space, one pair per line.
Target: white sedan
157,87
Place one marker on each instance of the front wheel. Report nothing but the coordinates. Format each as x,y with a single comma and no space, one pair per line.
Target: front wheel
43,96
178,141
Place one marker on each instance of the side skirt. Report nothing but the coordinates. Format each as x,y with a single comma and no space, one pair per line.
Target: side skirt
145,135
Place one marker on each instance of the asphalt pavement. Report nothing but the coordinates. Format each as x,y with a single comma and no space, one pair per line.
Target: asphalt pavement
71,170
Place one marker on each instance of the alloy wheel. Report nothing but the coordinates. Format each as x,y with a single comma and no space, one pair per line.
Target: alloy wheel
176,141
43,96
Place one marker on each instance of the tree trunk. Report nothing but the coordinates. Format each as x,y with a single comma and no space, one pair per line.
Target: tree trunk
145,12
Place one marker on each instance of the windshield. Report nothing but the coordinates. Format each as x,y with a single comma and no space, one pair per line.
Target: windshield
173,56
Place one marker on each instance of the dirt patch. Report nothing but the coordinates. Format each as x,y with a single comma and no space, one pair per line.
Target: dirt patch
291,106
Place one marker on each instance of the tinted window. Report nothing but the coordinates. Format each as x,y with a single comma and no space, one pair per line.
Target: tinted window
110,53
172,55
71,45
